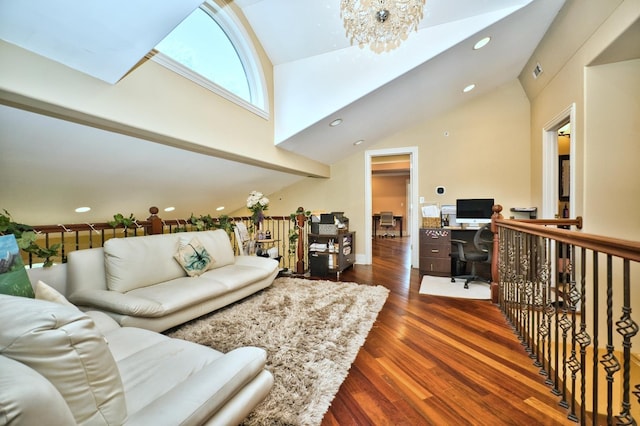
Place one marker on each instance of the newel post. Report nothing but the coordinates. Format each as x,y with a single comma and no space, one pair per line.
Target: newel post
301,218
156,222
495,279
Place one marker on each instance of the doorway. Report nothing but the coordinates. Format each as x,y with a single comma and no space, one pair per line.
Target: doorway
558,165
410,222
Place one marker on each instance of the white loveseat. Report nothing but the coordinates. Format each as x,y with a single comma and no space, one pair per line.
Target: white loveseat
62,366
138,282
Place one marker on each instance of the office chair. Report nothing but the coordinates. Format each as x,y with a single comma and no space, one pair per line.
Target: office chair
480,253
387,221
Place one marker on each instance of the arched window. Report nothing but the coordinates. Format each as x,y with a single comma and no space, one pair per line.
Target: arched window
212,49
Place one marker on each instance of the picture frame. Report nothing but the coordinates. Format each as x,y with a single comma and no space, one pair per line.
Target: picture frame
564,180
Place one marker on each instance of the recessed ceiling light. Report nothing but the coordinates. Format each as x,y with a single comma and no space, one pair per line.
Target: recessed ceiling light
482,43
83,209
169,209
336,122
358,142
469,88
220,208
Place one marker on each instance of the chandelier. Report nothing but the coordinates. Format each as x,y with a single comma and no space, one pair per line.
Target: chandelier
382,24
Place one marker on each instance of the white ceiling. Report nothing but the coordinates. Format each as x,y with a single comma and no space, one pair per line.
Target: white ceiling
317,74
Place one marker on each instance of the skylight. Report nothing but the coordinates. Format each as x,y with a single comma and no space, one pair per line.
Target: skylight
210,48
200,44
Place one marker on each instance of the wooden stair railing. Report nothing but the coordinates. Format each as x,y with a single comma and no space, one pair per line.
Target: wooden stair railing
89,235
569,296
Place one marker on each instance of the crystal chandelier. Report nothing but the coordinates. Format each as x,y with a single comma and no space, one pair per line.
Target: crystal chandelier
382,24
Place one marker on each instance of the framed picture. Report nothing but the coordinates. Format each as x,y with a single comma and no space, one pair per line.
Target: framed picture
564,177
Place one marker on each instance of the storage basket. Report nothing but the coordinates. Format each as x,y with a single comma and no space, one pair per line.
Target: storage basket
431,222
327,229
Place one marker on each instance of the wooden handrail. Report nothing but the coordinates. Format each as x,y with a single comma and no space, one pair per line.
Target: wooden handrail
76,227
625,249
577,222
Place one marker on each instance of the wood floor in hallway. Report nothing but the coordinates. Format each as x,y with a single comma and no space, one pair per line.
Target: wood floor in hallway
437,361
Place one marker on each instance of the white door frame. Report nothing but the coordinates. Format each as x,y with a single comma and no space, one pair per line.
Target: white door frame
550,163
410,223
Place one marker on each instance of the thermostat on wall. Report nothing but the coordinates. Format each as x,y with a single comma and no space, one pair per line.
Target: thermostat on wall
440,190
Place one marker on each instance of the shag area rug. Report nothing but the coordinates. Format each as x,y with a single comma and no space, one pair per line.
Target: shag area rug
442,286
312,332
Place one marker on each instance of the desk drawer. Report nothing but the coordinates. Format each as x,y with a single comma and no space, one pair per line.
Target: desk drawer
435,250
431,266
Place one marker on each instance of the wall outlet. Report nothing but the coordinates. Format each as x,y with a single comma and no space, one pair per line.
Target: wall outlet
421,200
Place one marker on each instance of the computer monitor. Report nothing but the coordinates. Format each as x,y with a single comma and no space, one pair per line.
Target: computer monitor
474,210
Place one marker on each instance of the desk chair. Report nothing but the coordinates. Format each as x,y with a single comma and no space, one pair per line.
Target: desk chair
480,253
387,221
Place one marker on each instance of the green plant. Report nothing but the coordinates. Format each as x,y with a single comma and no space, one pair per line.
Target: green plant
225,222
293,239
119,219
202,223
205,223
294,216
26,239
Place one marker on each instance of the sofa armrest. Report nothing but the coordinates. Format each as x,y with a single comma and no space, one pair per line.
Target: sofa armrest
113,301
264,263
200,396
26,397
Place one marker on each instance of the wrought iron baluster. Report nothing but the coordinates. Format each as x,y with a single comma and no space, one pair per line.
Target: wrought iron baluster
609,361
627,328
596,302
573,297
556,321
565,323
583,337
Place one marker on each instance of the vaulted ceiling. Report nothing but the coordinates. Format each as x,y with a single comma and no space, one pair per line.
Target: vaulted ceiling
375,95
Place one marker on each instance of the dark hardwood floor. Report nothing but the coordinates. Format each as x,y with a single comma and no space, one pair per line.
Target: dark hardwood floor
437,361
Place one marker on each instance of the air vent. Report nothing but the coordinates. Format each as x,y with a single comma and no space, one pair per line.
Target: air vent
537,70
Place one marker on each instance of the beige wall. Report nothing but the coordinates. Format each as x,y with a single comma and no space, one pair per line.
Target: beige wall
184,114
485,155
604,97
606,136
389,193
612,134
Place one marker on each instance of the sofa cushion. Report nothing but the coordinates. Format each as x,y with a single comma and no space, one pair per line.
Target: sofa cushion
136,262
63,345
193,257
236,276
178,294
218,245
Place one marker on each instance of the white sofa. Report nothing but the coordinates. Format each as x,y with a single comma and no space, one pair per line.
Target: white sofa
139,283
62,366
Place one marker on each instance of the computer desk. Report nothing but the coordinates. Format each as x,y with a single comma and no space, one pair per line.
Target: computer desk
376,220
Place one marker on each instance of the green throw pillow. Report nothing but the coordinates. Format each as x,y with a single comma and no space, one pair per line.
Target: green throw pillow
13,277
193,258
